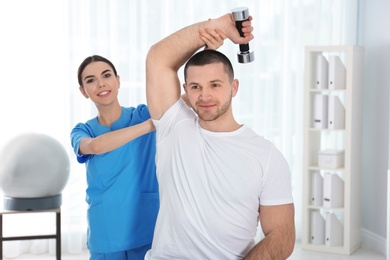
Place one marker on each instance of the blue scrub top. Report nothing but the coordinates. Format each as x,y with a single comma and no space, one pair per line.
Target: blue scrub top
122,191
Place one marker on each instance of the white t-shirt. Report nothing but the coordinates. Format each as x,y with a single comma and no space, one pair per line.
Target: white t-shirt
211,185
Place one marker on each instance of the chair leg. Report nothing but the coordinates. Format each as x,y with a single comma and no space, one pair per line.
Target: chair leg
58,235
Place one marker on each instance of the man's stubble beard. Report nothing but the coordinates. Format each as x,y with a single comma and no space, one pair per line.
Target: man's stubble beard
208,117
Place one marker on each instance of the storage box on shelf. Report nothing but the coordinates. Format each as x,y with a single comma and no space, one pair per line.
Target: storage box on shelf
332,148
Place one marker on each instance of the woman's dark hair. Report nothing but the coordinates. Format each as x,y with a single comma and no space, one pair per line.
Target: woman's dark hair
206,57
89,60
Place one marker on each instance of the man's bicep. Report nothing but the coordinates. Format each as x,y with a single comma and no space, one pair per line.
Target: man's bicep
162,90
279,217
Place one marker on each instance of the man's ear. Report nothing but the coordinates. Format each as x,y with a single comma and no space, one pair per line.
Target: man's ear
82,90
184,96
235,84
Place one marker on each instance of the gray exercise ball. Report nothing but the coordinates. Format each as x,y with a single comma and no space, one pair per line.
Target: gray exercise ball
34,169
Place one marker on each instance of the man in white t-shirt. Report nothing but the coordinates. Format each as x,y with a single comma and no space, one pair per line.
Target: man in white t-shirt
217,178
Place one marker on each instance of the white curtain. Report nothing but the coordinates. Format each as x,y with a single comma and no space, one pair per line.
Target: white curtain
47,40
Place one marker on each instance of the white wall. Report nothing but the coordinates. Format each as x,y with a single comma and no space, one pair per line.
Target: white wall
34,86
374,18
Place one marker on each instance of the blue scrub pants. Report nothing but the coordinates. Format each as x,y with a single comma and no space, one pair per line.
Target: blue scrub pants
133,254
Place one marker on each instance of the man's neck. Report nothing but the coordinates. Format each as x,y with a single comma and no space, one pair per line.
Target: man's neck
220,125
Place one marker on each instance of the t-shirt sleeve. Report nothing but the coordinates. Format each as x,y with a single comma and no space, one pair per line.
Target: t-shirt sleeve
142,112
276,186
175,114
79,133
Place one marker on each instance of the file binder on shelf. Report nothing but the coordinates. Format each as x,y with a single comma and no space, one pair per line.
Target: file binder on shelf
317,231
337,73
333,190
317,189
336,113
333,230
322,72
320,115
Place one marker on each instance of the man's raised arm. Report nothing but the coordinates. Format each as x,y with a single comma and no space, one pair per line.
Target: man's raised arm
167,56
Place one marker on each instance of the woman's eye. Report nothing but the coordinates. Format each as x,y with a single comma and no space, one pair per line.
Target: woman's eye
90,81
107,75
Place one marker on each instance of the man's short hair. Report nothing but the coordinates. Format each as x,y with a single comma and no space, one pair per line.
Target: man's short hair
206,57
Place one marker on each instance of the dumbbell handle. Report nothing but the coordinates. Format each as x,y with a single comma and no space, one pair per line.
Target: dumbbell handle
243,47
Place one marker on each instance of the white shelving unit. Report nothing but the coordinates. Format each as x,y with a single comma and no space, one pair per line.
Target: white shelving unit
348,139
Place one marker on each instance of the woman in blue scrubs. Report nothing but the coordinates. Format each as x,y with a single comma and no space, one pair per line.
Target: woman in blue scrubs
118,149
